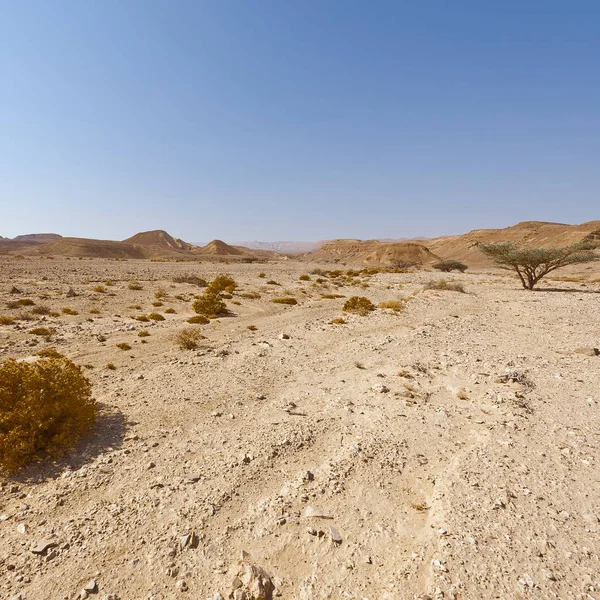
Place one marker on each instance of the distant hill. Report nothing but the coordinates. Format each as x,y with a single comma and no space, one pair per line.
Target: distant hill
220,248
528,233
41,238
373,253
158,237
289,247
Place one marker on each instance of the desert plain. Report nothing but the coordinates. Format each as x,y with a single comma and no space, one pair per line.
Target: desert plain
449,449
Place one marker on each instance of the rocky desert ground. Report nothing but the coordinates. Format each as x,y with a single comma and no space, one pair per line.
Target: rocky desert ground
446,450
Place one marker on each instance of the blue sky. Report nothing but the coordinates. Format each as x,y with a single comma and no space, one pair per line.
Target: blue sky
281,119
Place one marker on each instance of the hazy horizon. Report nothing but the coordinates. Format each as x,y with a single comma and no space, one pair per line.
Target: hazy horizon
291,121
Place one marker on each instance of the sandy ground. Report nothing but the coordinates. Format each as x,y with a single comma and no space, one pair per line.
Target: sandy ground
452,448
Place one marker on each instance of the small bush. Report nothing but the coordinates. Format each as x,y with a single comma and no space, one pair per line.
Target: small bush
109,283
272,282
69,311
100,289
135,285
49,353
191,279
251,295
252,327
198,320
210,304
332,296
123,346
262,275
25,302
42,331
156,316
4,320
395,305
450,265
338,321
41,309
142,318
359,305
110,367
304,277
445,286
45,407
287,300
170,311
94,311
158,303
223,283
143,333
189,338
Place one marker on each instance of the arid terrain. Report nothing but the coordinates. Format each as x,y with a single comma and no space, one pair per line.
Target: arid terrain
446,450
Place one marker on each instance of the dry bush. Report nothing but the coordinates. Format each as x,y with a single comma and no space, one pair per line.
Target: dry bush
41,309
123,346
252,327
359,305
338,321
262,275
100,289
143,333
4,320
272,282
170,311
191,279
135,285
69,311
45,407
286,300
188,338
450,265
156,316
25,302
109,283
42,331
395,305
223,283
49,353
160,293
445,286
142,318
304,277
210,304
158,303
332,296
198,320
251,295
110,367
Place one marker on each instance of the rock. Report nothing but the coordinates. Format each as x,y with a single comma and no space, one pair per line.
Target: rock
40,546
71,293
150,465
439,565
382,389
182,586
218,596
314,512
91,586
22,528
251,583
336,538
284,336
51,555
587,351
192,477
189,540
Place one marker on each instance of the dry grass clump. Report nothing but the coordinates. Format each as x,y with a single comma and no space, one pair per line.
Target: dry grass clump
109,282
450,265
250,295
285,300
395,305
359,305
304,277
41,309
123,346
49,353
191,279
135,285
262,275
143,333
338,321
69,311
170,311
188,338
445,286
100,289
198,320
160,293
110,367
223,283
332,296
45,407
41,331
158,303
156,316
94,311
272,282
25,302
210,304
142,318
5,320
252,327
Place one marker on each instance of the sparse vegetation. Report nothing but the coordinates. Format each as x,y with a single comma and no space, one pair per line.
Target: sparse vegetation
141,318
110,367
5,320
262,275
252,327
210,304
170,311
191,279
157,304
69,311
338,321
45,407
445,286
223,283
450,265
189,338
285,300
272,282
123,346
359,305
395,305
250,295
332,296
156,316
143,333
49,353
100,289
41,309
41,331
532,264
304,277
135,285
25,302
160,293
198,320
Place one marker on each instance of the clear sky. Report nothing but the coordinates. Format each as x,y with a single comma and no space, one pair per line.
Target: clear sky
297,119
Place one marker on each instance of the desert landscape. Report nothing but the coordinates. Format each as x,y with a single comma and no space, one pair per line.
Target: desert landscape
441,443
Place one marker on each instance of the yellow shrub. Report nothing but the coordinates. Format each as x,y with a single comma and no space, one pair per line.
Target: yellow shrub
210,305
223,283
6,320
290,301
188,339
198,320
156,316
45,407
359,305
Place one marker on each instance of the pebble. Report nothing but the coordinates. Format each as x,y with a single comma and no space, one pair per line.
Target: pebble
315,512
40,546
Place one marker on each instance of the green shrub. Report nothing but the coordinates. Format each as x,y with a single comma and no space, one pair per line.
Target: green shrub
45,407
210,304
359,305
286,300
188,338
450,265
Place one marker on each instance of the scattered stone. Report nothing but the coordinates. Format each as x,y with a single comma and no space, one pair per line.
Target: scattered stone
311,512
182,586
588,351
91,586
382,389
192,477
284,336
150,465
251,583
439,565
22,528
71,293
336,538
189,540
41,546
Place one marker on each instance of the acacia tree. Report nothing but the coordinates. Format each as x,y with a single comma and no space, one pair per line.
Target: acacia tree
531,264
